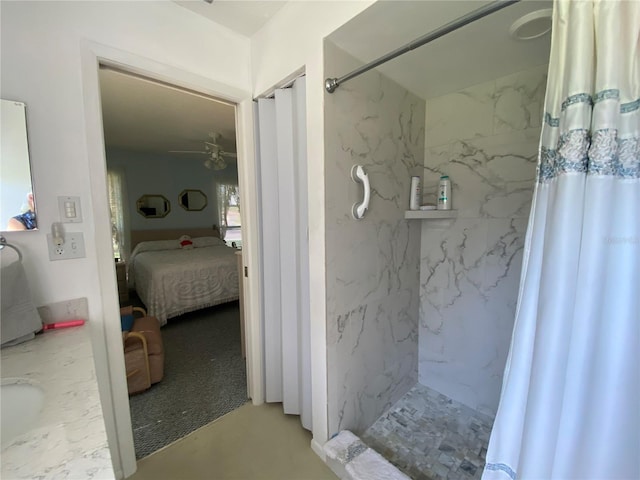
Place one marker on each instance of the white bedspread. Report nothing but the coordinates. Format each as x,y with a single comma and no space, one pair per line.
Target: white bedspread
176,281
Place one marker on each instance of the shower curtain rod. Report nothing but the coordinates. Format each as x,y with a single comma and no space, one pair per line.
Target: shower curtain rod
330,84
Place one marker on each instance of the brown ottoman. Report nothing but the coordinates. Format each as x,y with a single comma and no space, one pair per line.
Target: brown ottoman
144,354
150,328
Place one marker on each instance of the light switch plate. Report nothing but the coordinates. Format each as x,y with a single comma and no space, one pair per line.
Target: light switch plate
73,247
69,209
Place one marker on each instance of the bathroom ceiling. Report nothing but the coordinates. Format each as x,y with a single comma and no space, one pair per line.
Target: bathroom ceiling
243,17
476,53
144,116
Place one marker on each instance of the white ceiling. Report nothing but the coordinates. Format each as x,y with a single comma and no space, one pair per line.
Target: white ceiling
474,54
145,116
243,17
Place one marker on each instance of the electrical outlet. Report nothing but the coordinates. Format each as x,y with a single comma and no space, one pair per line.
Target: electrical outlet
73,247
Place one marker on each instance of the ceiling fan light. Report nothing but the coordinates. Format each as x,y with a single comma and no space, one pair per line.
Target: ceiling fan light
218,162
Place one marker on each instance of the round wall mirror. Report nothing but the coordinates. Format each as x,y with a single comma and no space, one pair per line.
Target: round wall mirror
192,200
153,206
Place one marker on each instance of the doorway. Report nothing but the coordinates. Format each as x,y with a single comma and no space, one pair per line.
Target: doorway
174,198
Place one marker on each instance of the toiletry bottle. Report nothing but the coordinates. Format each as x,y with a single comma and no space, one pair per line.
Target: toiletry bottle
416,193
444,193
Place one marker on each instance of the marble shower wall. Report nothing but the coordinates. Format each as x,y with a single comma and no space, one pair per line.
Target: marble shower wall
486,139
372,264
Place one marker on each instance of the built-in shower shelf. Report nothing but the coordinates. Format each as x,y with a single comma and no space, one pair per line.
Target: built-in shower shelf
429,214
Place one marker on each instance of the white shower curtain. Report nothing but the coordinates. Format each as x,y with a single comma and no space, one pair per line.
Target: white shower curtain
570,402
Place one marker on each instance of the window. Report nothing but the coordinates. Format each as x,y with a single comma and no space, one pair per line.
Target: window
115,183
229,213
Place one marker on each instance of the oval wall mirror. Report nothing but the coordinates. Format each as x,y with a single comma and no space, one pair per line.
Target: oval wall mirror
153,206
17,205
192,200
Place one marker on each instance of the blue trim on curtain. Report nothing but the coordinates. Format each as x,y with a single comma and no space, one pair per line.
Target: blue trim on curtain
551,121
501,467
612,93
630,107
600,152
609,94
577,98
570,156
609,155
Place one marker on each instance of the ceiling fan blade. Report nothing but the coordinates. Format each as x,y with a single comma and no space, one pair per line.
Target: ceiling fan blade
229,154
188,151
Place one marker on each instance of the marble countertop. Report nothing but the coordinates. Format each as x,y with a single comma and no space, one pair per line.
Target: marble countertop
69,440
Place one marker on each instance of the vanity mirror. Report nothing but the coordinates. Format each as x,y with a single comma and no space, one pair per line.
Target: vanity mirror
17,204
192,200
153,206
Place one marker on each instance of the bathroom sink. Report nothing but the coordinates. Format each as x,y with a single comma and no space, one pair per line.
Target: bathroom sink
20,405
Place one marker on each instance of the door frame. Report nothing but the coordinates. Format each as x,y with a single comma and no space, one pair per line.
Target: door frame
107,341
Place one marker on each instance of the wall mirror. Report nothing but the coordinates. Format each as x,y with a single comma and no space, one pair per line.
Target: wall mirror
153,206
17,204
192,200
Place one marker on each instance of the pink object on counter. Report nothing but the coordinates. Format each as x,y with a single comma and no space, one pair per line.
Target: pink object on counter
65,324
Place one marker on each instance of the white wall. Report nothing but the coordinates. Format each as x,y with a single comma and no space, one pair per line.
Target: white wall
290,42
41,48
486,139
372,263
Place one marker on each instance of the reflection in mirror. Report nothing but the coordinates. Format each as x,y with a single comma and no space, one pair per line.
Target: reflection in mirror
153,206
17,205
192,200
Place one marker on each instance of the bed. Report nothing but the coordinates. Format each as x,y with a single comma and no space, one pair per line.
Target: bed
172,280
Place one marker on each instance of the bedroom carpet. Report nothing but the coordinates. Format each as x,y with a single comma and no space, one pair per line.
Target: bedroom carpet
204,378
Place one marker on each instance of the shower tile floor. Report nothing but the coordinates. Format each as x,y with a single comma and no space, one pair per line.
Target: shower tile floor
431,437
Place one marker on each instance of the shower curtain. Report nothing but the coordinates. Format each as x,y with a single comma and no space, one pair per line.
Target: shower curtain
570,402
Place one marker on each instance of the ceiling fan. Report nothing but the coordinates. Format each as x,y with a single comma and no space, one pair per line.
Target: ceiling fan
216,156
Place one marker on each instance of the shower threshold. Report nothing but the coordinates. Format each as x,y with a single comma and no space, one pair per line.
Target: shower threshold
431,437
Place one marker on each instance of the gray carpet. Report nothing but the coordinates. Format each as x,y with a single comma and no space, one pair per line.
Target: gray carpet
204,378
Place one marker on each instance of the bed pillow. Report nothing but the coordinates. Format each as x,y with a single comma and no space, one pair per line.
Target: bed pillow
185,242
154,245
208,242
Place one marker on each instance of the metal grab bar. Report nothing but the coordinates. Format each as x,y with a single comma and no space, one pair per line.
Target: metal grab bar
4,243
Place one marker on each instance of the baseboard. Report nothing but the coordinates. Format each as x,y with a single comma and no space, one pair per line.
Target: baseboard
317,448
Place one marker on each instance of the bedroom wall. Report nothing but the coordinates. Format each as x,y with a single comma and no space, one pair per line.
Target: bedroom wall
41,49
372,264
486,139
169,176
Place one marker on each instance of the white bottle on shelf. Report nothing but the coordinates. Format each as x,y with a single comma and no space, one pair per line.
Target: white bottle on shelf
416,194
444,193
